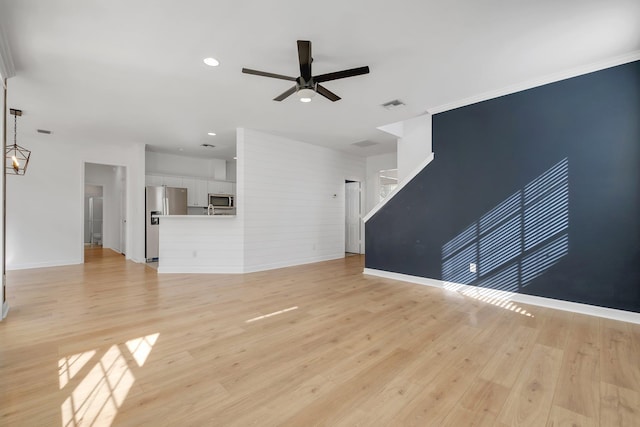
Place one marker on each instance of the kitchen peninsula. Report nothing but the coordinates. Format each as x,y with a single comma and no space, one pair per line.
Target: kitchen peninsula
201,244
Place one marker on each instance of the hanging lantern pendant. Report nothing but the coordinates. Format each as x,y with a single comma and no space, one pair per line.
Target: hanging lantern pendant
16,157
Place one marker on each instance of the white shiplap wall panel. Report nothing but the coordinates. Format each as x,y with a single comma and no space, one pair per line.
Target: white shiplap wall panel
201,245
293,200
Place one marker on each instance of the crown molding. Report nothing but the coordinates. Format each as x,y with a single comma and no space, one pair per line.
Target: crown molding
549,78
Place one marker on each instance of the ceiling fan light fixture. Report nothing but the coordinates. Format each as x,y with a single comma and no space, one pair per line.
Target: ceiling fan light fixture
306,94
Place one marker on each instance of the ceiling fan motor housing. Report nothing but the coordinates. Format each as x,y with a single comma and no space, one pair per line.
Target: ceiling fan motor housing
306,80
302,84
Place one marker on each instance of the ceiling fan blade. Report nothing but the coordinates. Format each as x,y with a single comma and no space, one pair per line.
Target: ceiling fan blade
285,94
341,74
327,93
304,55
265,74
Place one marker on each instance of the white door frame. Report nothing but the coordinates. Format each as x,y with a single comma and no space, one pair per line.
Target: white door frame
357,213
123,198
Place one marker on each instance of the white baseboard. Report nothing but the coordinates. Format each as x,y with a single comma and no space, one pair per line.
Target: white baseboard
44,264
291,263
199,269
204,269
497,295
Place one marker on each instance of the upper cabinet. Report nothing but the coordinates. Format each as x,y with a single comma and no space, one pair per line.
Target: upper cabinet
172,181
200,176
198,189
153,180
220,187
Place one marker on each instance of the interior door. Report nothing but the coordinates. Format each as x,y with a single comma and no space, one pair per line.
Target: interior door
352,217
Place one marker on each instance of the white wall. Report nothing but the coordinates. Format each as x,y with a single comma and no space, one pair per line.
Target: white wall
292,196
414,146
374,165
45,207
170,164
109,177
232,171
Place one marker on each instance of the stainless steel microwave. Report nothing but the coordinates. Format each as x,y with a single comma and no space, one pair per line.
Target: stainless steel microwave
222,201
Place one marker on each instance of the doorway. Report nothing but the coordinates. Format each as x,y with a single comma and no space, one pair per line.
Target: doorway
353,219
93,215
105,206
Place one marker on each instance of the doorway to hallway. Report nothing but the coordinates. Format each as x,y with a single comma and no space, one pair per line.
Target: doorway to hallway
104,206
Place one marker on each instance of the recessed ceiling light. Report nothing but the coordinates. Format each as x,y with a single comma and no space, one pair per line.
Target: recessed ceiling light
212,62
211,133
235,158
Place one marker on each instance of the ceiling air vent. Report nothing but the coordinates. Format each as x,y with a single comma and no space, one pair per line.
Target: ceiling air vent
392,105
208,145
363,144
46,132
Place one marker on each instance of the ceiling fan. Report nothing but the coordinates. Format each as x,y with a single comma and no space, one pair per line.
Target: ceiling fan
308,85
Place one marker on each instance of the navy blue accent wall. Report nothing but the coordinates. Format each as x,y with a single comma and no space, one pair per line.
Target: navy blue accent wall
540,189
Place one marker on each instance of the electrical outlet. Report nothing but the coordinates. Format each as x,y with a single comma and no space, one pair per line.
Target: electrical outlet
473,267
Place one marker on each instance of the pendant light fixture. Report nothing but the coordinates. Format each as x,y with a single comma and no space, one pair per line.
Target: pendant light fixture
16,157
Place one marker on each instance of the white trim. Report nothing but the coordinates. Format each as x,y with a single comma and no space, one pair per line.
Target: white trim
243,270
199,270
292,263
549,78
396,129
5,310
400,186
494,294
45,264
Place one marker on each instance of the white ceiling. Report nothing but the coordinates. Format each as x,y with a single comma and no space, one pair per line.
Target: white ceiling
117,71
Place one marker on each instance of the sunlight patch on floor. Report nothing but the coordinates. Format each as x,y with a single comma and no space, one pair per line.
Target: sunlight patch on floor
275,313
494,297
141,347
98,395
69,366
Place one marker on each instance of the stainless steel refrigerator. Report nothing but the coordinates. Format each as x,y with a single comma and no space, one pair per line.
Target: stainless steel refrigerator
161,201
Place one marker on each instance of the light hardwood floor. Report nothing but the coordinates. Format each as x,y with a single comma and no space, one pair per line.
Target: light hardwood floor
113,343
